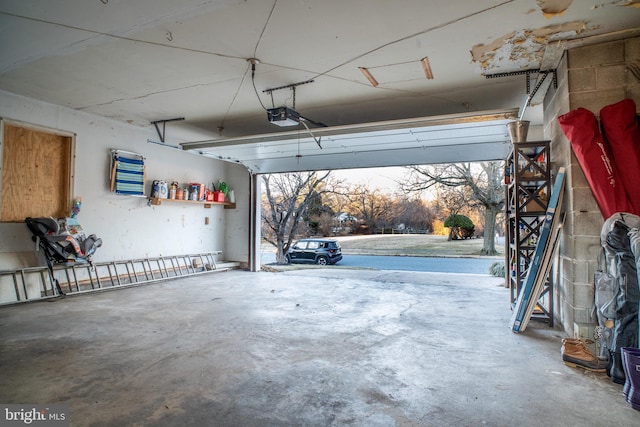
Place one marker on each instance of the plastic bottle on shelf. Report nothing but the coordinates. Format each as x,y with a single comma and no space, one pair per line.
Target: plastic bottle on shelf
173,190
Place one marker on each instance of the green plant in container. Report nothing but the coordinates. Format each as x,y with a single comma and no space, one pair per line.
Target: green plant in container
222,186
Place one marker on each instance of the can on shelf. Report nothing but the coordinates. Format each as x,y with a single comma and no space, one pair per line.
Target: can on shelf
193,192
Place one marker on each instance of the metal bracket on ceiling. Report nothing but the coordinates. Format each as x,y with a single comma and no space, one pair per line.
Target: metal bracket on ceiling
162,134
541,81
528,73
292,86
512,73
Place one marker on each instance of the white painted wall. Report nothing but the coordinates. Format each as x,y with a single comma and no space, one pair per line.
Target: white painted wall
128,227
237,220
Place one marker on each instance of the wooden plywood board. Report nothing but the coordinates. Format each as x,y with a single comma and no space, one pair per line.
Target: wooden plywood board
35,174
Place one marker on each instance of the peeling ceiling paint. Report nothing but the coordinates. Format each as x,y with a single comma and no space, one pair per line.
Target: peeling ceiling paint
552,8
522,49
630,3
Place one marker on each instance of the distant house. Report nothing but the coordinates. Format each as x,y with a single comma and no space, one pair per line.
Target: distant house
343,222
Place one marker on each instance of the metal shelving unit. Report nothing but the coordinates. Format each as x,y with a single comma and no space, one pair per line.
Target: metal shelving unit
528,187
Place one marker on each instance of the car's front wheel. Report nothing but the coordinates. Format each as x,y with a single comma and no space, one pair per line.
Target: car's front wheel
287,259
322,260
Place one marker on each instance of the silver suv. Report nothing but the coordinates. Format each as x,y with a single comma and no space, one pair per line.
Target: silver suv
318,251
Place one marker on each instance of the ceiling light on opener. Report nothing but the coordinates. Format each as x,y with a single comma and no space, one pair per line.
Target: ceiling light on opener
283,116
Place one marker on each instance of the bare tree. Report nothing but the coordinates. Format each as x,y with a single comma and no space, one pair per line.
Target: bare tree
415,214
288,197
455,200
484,179
369,206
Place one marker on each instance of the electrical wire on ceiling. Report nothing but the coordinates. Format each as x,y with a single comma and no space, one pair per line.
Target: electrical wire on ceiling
390,43
264,28
253,61
233,100
116,36
420,33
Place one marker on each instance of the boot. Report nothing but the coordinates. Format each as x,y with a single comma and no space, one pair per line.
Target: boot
626,351
575,341
631,361
614,369
576,354
578,341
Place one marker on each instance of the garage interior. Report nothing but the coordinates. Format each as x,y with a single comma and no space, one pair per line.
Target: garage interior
308,347
186,87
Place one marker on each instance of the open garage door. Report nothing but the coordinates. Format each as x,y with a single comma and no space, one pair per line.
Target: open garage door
467,137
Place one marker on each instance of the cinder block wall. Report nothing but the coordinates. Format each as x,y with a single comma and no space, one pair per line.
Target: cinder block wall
590,77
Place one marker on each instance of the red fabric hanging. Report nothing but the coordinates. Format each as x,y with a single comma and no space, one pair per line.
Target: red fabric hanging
594,155
622,133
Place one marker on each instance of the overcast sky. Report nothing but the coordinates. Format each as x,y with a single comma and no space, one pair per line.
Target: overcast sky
381,178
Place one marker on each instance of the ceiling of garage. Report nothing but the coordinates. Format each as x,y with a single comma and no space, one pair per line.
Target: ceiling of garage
148,60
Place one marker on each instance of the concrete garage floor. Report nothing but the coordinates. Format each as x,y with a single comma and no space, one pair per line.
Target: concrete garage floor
300,348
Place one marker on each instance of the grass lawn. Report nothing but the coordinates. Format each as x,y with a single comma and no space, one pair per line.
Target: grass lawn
412,244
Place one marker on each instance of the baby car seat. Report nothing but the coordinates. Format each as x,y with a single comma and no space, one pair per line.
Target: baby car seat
61,247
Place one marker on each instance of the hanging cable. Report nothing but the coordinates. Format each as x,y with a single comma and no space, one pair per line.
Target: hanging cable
253,62
298,155
317,140
255,50
233,101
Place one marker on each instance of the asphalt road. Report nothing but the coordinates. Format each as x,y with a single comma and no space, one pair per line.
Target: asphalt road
409,263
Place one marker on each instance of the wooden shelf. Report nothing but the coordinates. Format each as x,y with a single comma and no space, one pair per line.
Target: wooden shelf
157,202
